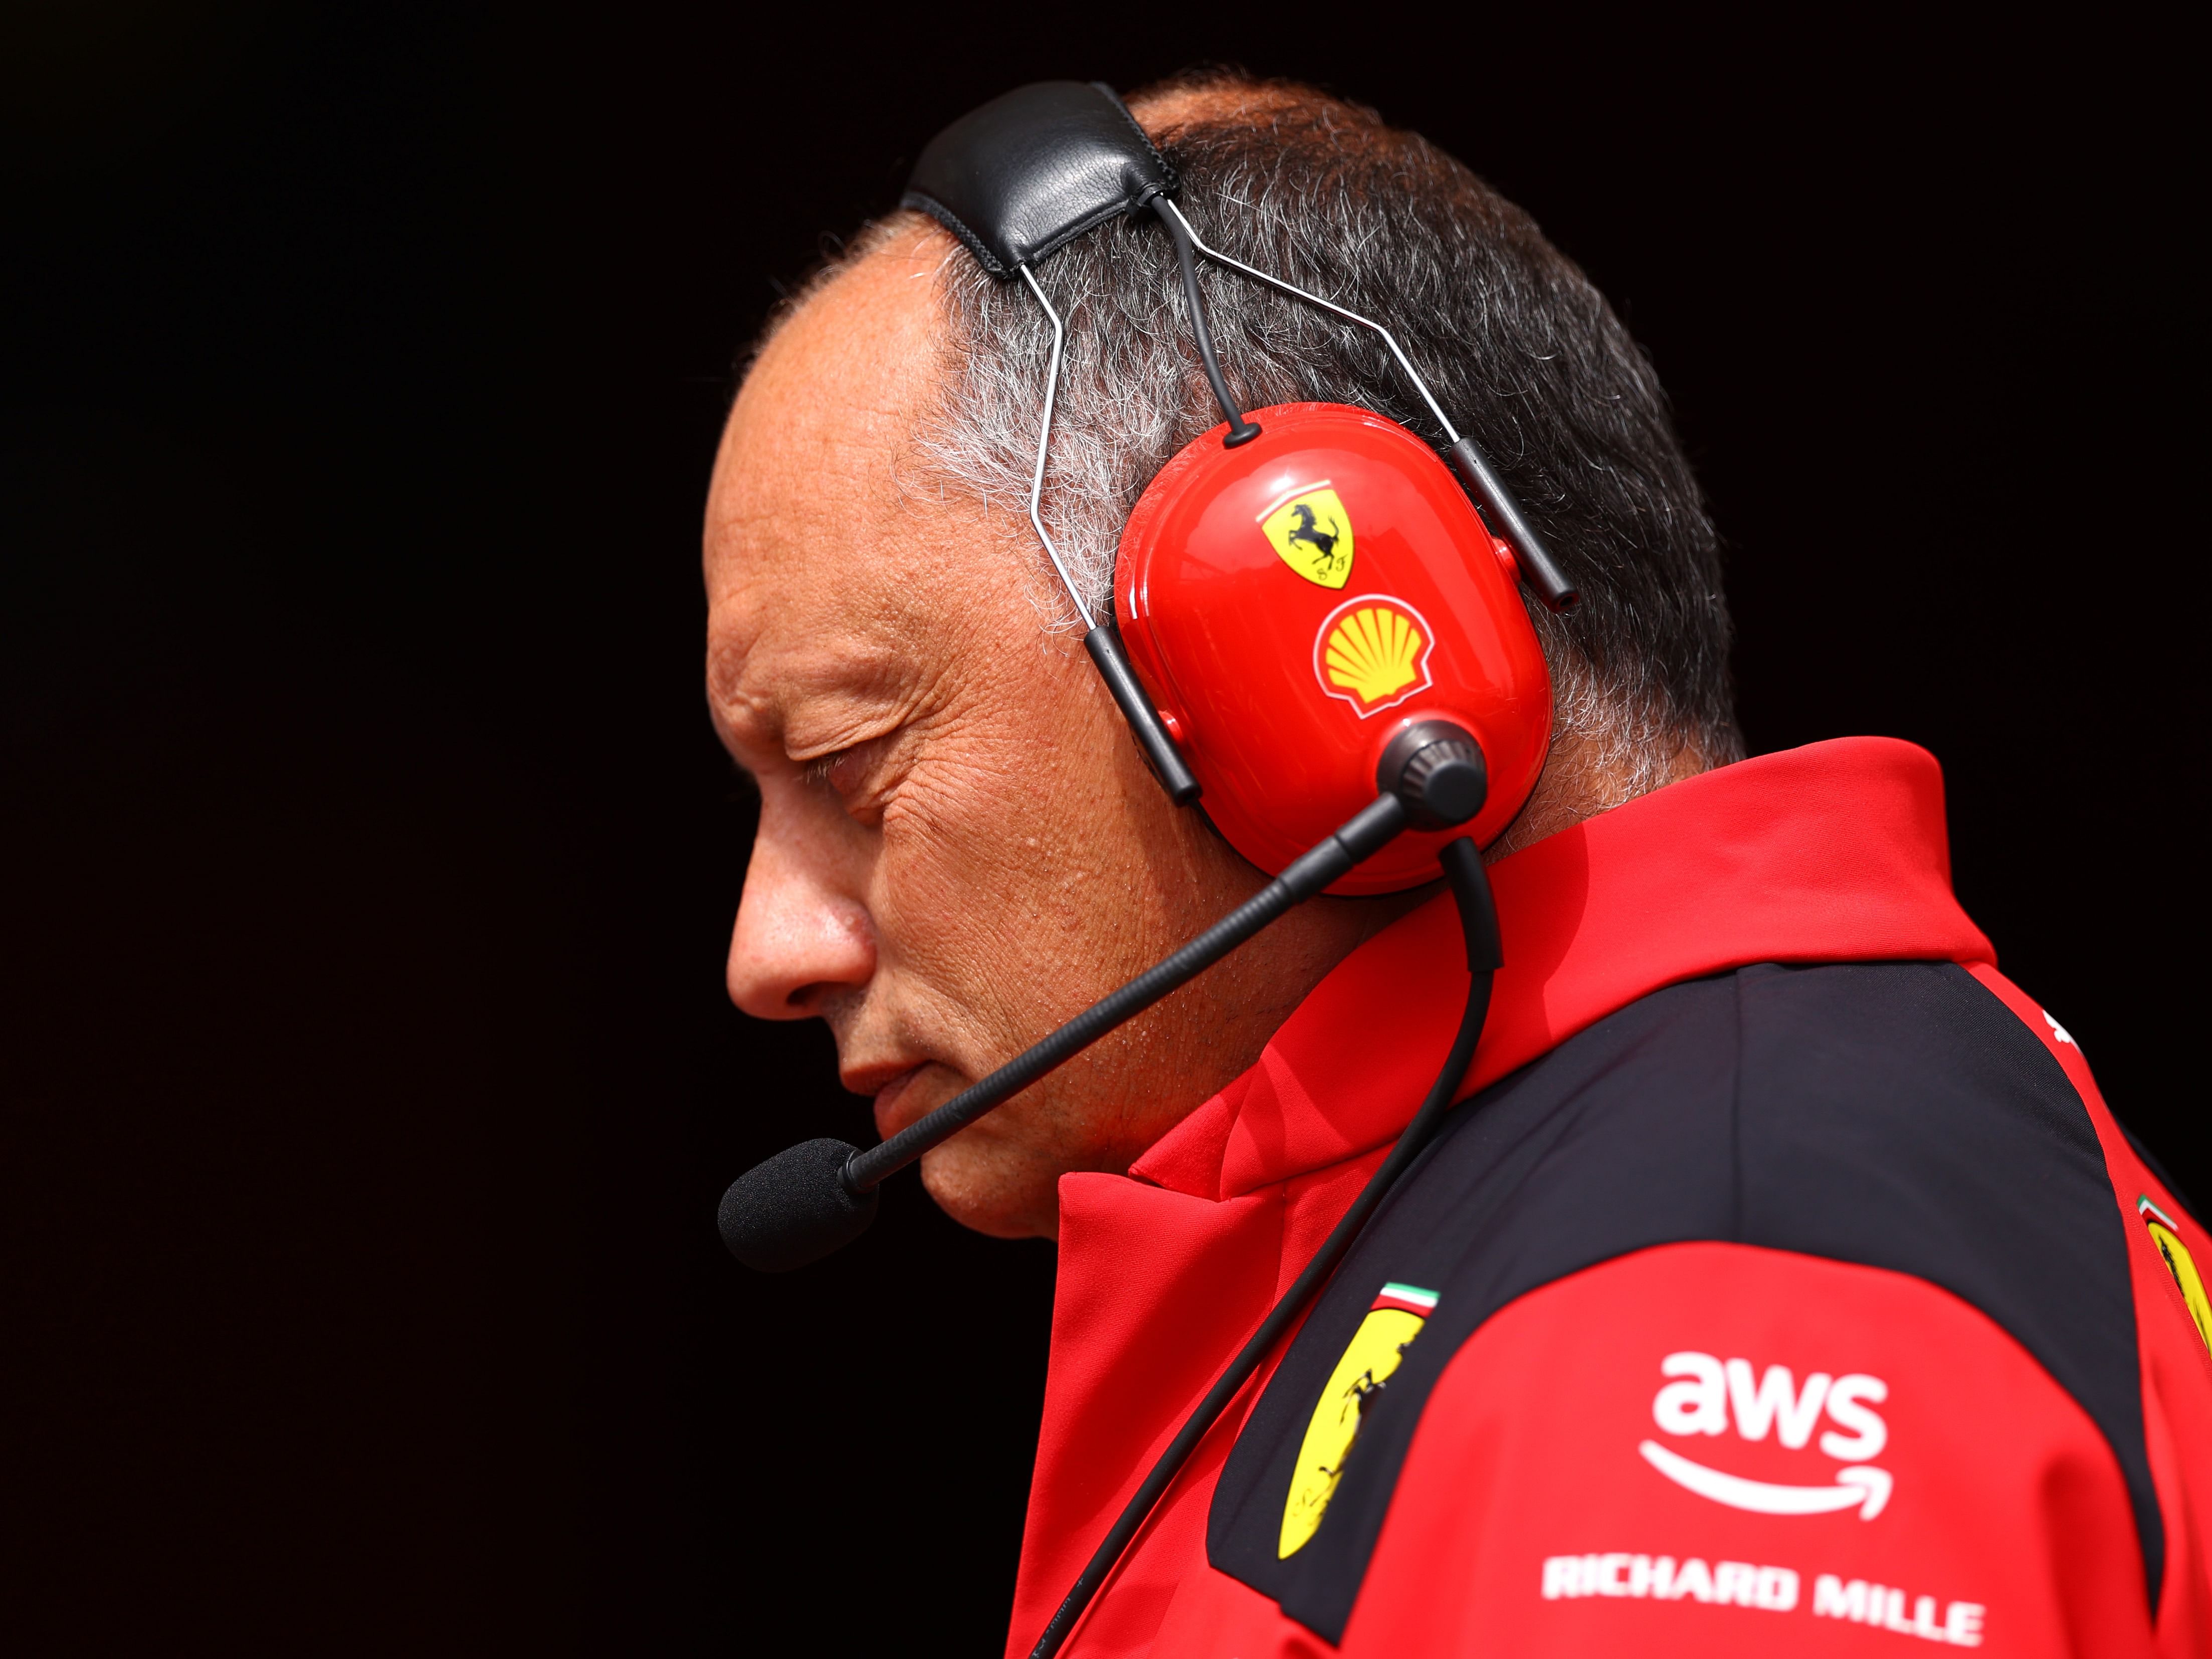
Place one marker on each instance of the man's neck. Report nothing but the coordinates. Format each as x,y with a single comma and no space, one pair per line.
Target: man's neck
1585,776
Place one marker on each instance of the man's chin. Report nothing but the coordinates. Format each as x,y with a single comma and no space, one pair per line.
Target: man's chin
993,1188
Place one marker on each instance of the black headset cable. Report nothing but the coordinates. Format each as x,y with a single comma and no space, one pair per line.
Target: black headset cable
1241,431
1478,917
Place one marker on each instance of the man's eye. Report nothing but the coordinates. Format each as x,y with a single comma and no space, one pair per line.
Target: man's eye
846,770
835,769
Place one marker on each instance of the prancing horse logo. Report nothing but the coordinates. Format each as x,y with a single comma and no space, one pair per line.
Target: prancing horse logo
1311,534
1323,541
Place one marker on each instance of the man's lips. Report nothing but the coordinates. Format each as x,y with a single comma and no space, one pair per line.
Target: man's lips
903,1094
898,1103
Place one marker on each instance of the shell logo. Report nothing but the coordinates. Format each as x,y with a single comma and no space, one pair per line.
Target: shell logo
1373,652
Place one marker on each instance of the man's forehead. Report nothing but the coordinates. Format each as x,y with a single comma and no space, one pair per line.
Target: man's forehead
825,422
855,364
829,554
823,619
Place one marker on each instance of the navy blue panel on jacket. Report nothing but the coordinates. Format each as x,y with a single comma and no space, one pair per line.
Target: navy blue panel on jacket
1893,1115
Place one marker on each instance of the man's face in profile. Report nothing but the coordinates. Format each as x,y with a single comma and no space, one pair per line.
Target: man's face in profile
959,846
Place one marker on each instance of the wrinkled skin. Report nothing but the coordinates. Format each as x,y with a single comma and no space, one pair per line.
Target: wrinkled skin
959,845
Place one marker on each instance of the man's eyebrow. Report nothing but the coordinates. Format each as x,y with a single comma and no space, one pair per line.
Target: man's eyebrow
877,716
812,737
817,700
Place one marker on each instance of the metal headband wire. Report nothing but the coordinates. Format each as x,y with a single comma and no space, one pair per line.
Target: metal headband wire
1045,443
1100,641
1492,498
1161,204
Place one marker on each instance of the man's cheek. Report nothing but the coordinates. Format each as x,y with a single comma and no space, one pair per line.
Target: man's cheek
951,937
963,785
960,839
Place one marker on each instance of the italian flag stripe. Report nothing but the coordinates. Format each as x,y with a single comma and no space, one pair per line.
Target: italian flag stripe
1411,1299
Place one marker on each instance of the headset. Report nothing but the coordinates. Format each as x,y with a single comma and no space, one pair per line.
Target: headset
1317,629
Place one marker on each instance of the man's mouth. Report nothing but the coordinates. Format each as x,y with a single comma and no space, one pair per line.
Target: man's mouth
898,1103
902,1095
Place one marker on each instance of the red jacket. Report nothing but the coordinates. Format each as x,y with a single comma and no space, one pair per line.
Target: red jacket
1786,1286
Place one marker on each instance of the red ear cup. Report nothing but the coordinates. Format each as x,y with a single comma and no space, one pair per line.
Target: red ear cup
1293,603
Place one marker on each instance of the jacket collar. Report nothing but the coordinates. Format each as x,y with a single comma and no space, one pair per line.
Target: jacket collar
1832,853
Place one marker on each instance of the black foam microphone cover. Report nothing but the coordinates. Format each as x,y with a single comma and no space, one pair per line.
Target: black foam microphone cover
794,1208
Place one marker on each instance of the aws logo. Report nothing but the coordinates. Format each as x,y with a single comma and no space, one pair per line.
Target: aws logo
1710,1396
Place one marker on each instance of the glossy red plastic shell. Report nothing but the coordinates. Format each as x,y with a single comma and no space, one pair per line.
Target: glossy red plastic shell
1234,644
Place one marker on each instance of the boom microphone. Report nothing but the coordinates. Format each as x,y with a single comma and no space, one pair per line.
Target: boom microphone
818,1196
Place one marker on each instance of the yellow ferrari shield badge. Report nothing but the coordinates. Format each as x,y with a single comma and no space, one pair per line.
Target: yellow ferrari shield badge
1376,1347
2165,1232
1311,532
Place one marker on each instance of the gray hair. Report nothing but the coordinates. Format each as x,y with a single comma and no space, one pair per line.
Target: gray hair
1513,339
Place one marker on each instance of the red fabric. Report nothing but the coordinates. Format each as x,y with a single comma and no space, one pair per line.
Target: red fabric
2177,1369
2004,1506
1832,853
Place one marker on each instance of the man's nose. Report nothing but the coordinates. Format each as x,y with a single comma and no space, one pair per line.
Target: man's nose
798,937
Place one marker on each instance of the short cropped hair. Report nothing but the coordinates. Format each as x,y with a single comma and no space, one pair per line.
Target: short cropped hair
1517,345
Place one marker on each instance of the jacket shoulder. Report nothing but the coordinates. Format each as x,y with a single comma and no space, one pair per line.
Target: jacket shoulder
1894,1116
1719,1449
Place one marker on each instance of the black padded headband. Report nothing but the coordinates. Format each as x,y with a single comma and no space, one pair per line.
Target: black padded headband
1030,172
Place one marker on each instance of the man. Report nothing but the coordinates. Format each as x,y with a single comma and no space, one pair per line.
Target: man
1784,1285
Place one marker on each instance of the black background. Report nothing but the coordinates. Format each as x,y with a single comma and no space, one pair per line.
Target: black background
371,860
